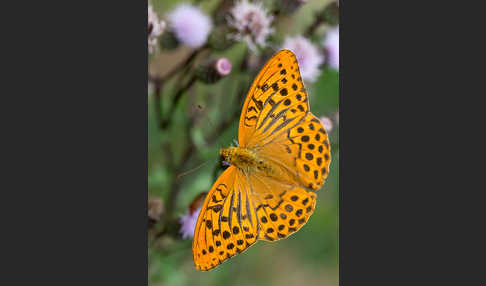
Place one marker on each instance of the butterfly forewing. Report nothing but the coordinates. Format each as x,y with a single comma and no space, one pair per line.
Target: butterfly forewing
227,224
277,100
276,120
207,242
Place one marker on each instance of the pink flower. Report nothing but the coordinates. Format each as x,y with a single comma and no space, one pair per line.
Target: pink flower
155,29
251,22
326,122
188,223
223,66
190,25
331,44
213,70
308,56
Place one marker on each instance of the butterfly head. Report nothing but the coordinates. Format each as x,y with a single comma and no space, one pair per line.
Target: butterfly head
229,154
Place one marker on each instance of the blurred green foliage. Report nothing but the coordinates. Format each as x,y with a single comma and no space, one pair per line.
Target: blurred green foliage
308,257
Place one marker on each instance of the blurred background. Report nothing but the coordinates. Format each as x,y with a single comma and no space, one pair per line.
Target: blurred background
203,56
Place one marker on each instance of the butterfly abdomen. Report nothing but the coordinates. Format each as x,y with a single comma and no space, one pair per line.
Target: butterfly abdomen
246,159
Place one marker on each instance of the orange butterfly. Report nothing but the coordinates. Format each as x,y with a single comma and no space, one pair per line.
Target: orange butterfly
283,155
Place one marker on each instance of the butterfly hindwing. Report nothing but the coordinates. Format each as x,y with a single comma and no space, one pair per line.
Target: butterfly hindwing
282,209
303,152
314,156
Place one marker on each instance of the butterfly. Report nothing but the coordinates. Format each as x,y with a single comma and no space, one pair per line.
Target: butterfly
267,192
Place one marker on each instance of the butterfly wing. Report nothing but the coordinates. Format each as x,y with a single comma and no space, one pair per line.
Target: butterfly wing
276,121
282,208
227,223
276,99
302,152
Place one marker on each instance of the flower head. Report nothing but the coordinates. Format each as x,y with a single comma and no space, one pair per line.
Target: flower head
189,219
223,66
188,223
331,44
307,54
190,25
155,28
252,23
336,116
326,122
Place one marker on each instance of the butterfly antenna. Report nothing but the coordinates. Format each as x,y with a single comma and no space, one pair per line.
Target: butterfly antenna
213,127
190,171
203,111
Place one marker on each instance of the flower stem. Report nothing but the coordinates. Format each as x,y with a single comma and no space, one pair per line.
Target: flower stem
176,100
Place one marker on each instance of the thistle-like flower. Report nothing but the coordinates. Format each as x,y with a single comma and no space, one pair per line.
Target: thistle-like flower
326,122
189,219
190,25
308,56
251,22
155,28
331,44
188,223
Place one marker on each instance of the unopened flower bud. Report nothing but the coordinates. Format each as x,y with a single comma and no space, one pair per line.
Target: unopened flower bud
213,70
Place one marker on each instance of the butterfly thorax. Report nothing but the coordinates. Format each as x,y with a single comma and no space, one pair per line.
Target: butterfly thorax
246,159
